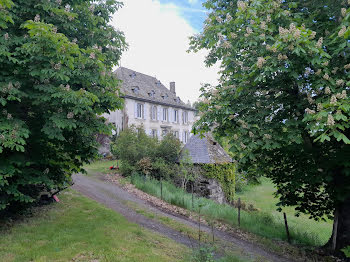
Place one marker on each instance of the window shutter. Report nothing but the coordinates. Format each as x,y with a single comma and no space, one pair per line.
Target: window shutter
158,133
135,108
159,113
144,111
171,115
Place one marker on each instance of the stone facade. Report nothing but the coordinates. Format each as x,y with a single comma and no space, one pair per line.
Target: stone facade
152,105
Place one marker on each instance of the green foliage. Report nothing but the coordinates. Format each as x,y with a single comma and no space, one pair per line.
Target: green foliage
133,144
346,251
55,82
283,98
225,174
138,151
254,222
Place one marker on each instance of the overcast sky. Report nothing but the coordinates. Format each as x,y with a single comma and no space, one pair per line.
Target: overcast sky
157,32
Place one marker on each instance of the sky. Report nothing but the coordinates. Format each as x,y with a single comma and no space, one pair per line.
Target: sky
158,32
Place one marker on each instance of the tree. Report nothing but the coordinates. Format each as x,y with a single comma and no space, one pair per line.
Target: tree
282,98
56,59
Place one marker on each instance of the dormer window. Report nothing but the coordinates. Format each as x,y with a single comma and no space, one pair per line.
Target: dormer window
135,89
158,83
152,93
133,75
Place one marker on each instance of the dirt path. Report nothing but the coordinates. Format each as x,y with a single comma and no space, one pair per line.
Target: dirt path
114,197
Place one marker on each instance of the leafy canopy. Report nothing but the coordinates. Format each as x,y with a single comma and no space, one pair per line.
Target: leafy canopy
283,94
56,59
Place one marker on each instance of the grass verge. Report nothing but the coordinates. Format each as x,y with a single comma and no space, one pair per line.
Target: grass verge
80,229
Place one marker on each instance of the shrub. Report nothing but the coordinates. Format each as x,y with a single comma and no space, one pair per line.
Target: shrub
126,168
138,151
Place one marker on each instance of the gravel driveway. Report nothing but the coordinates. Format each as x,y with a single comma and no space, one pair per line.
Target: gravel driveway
114,197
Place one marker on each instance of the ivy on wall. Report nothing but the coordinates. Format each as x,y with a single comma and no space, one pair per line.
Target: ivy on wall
224,174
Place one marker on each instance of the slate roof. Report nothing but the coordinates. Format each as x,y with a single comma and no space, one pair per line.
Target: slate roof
206,150
147,88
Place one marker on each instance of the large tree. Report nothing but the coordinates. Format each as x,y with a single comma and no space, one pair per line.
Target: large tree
283,97
56,58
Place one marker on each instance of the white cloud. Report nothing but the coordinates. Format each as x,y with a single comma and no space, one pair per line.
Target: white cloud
192,2
158,41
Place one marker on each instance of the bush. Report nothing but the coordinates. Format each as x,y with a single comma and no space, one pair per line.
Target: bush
126,168
140,152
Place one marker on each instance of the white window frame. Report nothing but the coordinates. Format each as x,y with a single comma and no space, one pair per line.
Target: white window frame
176,134
154,133
176,116
184,117
165,114
140,110
154,113
185,138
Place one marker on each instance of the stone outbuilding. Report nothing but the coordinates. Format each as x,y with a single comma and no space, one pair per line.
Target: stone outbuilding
205,151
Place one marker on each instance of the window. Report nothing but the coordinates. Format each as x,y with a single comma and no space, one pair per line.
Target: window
165,114
184,117
154,113
176,116
185,138
139,110
154,133
135,89
164,132
176,134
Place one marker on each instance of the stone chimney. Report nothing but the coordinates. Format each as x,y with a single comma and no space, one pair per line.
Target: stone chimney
172,87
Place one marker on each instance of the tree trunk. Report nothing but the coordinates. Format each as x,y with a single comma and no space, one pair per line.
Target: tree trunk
343,230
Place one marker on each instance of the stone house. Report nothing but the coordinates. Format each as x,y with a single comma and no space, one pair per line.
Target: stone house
206,151
149,103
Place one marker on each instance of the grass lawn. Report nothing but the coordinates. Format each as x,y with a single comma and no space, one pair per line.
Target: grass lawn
261,196
101,166
267,222
80,229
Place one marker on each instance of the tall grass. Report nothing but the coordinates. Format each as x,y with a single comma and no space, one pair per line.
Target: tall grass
258,222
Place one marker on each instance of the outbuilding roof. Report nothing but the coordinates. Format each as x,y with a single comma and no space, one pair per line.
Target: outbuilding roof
206,150
147,88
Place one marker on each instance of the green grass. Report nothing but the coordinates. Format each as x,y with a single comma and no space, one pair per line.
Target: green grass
79,229
261,196
265,223
101,166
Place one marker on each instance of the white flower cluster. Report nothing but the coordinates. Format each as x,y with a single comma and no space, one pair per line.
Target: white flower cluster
267,136
343,12
6,36
249,31
347,66
228,18
233,35
261,62
282,57
226,45
342,31
310,111
327,90
37,18
333,100
241,5
70,115
319,42
330,120
219,19
340,82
